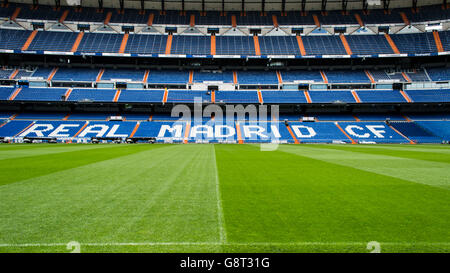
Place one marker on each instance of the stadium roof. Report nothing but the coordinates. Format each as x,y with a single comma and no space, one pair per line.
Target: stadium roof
236,5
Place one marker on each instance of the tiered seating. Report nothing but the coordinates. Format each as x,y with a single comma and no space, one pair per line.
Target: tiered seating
235,45
439,74
347,76
301,75
123,74
13,39
5,92
283,97
445,39
5,73
168,76
429,95
278,45
237,97
74,74
415,43
415,133
213,76
323,45
257,77
146,44
380,96
141,96
99,95
191,45
331,96
438,128
187,96
54,41
418,76
100,42
368,44
40,94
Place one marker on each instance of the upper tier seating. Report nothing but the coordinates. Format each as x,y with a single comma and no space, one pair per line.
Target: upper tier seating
323,45
235,45
368,44
273,45
417,43
56,41
191,45
145,44
249,18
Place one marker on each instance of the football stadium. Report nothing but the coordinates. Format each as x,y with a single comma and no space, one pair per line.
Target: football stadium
242,126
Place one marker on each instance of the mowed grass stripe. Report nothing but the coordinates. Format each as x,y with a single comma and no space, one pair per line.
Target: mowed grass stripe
430,173
46,150
429,155
280,197
17,169
159,195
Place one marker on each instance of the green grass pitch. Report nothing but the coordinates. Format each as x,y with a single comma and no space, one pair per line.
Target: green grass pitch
224,198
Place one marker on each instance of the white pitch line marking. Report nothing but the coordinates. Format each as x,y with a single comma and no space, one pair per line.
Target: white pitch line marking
229,244
220,216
